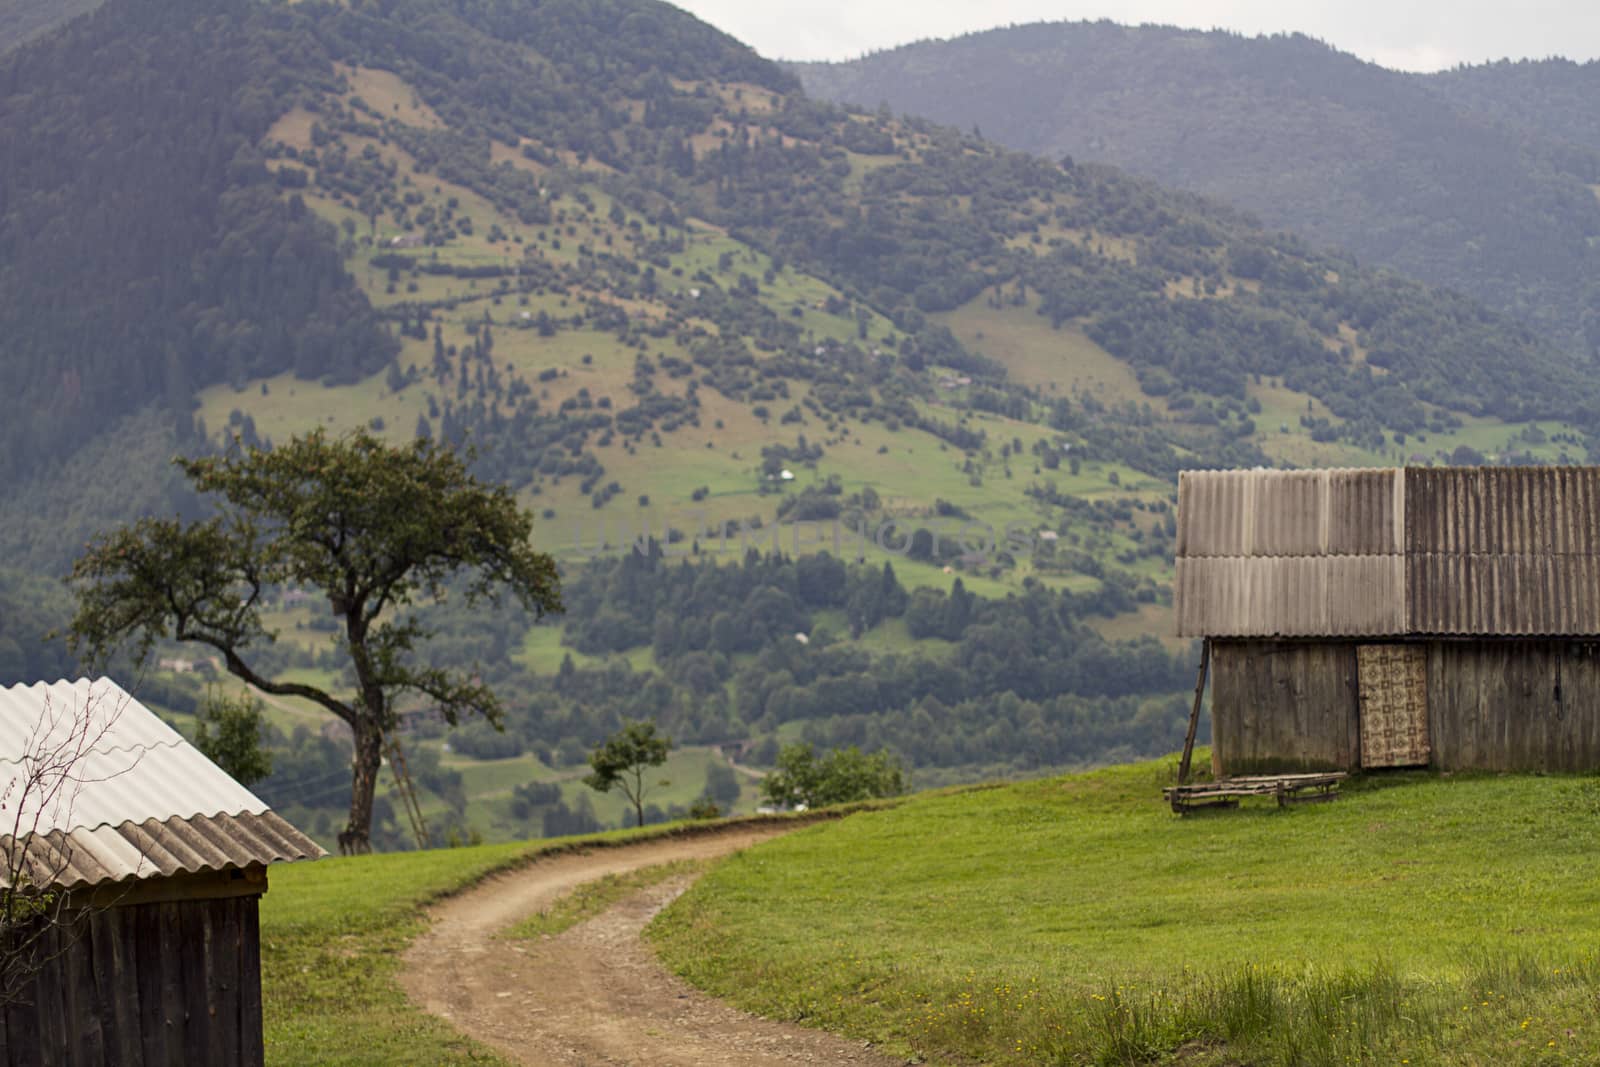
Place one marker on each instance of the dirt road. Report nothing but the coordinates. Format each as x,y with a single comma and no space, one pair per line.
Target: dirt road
596,994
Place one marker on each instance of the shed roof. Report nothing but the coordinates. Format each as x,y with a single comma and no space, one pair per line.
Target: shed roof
128,797
1469,551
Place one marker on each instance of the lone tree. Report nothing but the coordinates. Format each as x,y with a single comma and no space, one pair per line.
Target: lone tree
622,760
374,527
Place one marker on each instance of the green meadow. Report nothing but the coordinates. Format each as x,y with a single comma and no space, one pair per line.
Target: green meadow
333,930
1419,919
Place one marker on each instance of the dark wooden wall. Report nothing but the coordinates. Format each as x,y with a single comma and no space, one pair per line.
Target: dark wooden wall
1281,705
1514,705
169,982
1509,705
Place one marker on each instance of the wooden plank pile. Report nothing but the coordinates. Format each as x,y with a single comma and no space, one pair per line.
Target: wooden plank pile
1225,792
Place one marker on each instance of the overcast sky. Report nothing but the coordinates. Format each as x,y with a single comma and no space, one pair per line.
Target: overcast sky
1407,35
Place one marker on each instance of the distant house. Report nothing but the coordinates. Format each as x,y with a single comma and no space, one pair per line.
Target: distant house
406,240
162,859
1444,617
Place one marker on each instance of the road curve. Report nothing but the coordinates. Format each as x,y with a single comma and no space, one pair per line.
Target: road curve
596,994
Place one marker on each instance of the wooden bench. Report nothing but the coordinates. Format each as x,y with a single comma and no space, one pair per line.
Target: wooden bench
1225,792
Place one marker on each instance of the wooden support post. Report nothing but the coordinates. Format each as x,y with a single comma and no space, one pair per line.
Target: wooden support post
1194,712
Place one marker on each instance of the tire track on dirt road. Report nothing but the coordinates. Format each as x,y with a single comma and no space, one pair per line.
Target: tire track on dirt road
596,994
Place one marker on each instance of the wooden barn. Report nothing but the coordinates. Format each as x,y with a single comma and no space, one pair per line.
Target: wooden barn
1443,617
136,865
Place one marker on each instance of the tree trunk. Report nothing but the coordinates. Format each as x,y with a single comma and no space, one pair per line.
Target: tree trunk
357,835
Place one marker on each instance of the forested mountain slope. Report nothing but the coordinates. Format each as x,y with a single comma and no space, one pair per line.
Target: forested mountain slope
168,223
23,20
1553,97
893,415
1470,179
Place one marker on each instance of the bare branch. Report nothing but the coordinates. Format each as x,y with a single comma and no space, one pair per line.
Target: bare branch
67,749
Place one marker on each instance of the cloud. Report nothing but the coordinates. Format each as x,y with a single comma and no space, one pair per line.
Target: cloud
1418,35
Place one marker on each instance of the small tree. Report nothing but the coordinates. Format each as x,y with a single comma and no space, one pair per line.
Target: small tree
623,760
229,734
842,776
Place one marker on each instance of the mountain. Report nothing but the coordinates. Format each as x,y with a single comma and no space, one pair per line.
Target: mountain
1551,97
23,20
1480,179
892,414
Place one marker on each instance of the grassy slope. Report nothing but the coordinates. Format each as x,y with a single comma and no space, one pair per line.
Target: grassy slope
1076,920
331,937
909,469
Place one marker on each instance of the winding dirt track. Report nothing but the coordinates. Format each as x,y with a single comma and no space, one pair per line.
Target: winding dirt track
596,994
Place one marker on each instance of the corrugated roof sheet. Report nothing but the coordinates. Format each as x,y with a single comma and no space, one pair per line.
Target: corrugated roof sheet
1452,593
151,849
1302,596
1503,510
128,769
1289,513
1490,551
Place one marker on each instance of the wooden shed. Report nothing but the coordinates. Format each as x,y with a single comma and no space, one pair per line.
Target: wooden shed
1444,617
144,863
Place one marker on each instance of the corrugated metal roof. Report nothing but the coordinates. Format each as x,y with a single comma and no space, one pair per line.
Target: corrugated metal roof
127,769
151,849
1512,551
1504,510
45,713
1283,596
1289,513
1452,593
1366,512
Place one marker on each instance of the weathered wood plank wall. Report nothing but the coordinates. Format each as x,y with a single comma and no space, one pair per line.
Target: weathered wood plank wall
1517,705
1284,706
169,982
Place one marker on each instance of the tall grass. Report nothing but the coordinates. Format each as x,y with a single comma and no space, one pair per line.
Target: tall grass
1506,1009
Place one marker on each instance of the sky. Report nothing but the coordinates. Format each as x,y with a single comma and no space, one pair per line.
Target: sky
1419,35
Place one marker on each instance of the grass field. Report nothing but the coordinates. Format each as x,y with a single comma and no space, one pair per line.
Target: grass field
1063,361
1420,919
331,937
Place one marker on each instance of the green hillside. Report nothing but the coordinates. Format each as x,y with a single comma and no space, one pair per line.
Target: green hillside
893,415
1419,919
1477,179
